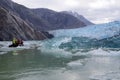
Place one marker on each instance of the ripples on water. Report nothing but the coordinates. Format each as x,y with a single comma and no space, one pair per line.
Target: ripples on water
63,58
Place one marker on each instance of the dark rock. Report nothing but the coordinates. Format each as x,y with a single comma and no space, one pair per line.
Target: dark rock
13,26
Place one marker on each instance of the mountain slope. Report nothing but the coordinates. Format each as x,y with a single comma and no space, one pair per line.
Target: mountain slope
13,26
58,20
23,12
80,17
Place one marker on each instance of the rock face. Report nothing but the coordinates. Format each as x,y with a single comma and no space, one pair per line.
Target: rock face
13,26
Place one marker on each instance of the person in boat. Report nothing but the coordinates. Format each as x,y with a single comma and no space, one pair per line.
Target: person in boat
16,42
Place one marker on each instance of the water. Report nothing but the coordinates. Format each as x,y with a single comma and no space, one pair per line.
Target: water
65,57
79,64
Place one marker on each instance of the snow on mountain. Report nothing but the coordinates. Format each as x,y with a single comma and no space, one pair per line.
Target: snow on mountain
79,17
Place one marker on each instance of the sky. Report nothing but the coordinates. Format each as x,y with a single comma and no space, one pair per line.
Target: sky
96,11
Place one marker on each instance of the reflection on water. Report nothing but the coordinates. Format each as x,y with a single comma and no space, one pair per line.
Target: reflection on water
31,64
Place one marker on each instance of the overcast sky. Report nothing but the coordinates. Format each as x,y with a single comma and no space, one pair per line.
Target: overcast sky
97,11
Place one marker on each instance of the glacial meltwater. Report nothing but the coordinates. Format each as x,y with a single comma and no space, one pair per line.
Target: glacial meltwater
90,53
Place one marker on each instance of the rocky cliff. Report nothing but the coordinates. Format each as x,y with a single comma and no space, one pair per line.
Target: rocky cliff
13,26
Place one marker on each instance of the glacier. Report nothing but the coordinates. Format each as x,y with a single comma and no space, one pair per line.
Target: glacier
99,31
95,36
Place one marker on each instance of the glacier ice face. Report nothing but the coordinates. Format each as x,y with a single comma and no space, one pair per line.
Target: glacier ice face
99,31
